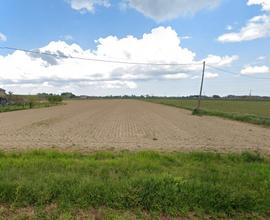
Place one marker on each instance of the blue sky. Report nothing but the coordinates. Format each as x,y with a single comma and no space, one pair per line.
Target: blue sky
228,34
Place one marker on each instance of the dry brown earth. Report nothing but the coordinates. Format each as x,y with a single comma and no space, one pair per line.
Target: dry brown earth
125,124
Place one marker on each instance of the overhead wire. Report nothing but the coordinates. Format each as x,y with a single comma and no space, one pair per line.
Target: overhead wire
99,60
59,56
235,73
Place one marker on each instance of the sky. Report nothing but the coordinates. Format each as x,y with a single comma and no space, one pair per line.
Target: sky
157,46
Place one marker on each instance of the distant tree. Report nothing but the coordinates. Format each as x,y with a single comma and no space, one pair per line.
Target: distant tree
68,95
43,95
216,96
55,99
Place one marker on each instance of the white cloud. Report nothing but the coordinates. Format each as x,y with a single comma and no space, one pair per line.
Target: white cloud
3,37
264,3
161,45
220,61
186,37
195,77
261,58
161,10
68,37
158,10
87,5
257,27
176,76
250,70
209,75
229,27
118,84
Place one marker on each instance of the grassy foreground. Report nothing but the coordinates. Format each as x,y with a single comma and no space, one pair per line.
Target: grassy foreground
133,185
251,111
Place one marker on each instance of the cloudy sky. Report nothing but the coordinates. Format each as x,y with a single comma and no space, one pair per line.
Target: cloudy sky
158,46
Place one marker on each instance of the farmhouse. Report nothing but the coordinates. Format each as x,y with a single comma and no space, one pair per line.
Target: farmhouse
2,93
3,100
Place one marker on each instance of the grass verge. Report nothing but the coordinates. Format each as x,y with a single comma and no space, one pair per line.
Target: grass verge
244,117
254,119
135,184
17,107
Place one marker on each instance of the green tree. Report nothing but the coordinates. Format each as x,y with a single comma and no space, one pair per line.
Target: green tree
55,99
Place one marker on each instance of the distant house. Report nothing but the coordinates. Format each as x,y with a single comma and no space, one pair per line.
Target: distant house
83,97
3,99
2,92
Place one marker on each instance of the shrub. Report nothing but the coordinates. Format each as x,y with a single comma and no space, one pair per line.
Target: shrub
68,95
32,101
55,99
252,157
197,112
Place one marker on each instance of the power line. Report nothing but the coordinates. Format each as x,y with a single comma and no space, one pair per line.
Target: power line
98,60
59,56
237,74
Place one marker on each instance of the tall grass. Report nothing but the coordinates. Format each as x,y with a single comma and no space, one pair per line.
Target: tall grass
254,119
173,184
17,107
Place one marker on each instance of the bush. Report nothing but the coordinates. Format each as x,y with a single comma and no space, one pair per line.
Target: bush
32,101
252,157
55,99
68,95
198,112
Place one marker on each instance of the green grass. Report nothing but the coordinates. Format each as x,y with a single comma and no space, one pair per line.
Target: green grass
17,107
252,111
136,183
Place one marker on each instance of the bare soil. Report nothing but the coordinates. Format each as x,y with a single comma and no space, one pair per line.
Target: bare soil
126,124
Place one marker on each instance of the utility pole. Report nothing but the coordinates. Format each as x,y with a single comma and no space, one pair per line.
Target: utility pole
200,96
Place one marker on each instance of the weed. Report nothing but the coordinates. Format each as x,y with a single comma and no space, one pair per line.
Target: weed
159,183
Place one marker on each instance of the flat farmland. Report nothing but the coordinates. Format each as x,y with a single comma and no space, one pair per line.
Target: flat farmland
252,107
126,124
251,111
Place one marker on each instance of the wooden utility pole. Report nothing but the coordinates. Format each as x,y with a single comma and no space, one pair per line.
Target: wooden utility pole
200,96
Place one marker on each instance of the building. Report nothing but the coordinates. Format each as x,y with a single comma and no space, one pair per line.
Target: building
3,99
2,92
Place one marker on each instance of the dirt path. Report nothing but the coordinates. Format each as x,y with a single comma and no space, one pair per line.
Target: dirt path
125,124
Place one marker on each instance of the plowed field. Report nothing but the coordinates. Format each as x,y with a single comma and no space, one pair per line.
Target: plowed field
125,124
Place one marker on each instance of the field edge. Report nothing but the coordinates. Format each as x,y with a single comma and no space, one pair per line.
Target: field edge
248,118
138,184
